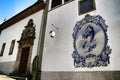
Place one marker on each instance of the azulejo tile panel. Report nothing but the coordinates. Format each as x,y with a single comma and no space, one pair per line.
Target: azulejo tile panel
90,42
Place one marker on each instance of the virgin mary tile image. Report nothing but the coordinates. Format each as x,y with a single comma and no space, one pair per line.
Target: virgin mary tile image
90,42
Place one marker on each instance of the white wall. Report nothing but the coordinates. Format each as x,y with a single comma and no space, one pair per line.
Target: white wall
14,32
58,51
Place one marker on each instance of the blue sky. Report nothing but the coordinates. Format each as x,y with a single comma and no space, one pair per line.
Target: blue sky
9,8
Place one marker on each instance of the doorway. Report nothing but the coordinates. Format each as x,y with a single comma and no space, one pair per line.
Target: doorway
24,60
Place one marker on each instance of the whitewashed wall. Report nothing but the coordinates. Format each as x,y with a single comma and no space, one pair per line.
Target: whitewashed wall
57,54
14,32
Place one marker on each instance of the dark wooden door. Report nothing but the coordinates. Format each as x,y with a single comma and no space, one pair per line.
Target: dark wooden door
24,60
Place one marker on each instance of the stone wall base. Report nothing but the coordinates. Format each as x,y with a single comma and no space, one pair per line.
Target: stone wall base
95,75
7,67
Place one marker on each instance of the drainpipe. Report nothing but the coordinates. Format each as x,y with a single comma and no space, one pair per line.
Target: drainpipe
42,37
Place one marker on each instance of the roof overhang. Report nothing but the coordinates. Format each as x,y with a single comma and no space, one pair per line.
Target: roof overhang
25,13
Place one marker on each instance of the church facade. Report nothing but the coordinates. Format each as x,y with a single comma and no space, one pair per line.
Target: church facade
74,39
81,40
19,40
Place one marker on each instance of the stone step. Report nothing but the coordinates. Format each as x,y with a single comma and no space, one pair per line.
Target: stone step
20,76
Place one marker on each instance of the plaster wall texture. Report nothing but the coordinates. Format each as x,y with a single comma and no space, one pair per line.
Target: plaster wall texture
57,55
14,32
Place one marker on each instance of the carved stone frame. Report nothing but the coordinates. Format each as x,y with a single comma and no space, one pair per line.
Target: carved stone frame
27,40
16,67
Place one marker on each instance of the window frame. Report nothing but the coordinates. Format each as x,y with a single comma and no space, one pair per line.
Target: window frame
2,49
12,47
63,3
56,5
66,1
94,7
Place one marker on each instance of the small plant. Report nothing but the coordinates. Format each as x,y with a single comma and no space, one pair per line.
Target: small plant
35,68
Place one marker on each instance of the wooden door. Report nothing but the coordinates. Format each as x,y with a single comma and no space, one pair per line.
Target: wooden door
24,60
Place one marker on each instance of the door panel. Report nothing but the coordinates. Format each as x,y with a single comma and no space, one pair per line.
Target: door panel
24,60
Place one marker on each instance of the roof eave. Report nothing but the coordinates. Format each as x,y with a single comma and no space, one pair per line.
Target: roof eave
25,13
